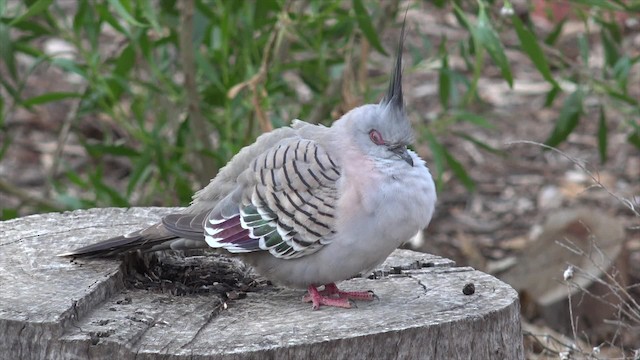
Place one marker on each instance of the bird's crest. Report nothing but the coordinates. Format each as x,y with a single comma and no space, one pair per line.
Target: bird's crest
393,97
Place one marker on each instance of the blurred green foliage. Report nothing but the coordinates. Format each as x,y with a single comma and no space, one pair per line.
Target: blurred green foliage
177,87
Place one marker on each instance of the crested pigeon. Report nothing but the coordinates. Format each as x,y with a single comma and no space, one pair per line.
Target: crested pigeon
307,205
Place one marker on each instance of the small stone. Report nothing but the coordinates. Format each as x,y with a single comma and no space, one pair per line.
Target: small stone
469,289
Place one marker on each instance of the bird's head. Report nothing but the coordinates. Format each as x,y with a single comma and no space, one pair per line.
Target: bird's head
383,130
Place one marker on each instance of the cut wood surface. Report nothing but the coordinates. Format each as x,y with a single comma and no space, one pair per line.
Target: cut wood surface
55,308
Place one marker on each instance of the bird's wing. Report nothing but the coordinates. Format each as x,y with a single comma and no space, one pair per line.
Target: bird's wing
284,203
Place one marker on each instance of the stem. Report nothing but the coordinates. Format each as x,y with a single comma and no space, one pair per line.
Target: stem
204,168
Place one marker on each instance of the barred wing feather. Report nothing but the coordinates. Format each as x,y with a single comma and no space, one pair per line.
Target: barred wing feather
287,205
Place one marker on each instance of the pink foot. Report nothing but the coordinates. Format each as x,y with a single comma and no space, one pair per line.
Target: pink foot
332,296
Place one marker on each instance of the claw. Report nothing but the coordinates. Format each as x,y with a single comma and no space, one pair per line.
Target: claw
332,296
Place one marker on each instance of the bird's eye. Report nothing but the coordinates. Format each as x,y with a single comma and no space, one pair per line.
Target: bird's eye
376,137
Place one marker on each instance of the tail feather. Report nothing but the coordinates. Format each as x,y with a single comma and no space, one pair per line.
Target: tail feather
155,237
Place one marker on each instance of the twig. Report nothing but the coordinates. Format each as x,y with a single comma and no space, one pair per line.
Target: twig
571,319
205,169
254,83
63,136
626,202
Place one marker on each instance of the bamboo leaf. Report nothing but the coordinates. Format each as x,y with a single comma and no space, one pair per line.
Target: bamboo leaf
36,8
444,78
583,46
439,157
479,143
604,4
611,53
111,149
634,138
555,33
49,97
568,119
530,46
551,96
6,50
366,25
473,119
123,7
459,171
488,38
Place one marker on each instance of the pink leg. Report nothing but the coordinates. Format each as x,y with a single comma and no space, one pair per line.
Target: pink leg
332,296
332,289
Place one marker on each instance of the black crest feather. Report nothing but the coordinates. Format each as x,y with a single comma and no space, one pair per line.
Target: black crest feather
394,93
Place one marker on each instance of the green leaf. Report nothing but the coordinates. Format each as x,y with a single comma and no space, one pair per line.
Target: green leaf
8,214
479,143
583,46
141,170
70,201
36,8
107,16
366,25
551,96
461,17
34,28
437,151
123,8
459,171
603,4
126,61
621,71
70,66
602,136
634,138
6,50
612,28
611,54
49,97
103,191
100,149
80,16
530,46
5,143
151,14
555,33
473,119
74,178
1,119
183,189
620,96
487,37
568,119
444,78
10,89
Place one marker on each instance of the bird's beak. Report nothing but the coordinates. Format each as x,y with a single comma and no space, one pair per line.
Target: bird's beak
403,153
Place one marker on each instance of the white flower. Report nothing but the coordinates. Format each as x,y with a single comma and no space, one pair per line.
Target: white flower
568,273
506,10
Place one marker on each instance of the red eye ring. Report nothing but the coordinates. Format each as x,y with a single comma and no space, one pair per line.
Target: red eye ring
376,137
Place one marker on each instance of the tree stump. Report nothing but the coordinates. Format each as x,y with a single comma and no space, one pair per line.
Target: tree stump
57,308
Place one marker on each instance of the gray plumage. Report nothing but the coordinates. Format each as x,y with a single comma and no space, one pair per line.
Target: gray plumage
307,205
